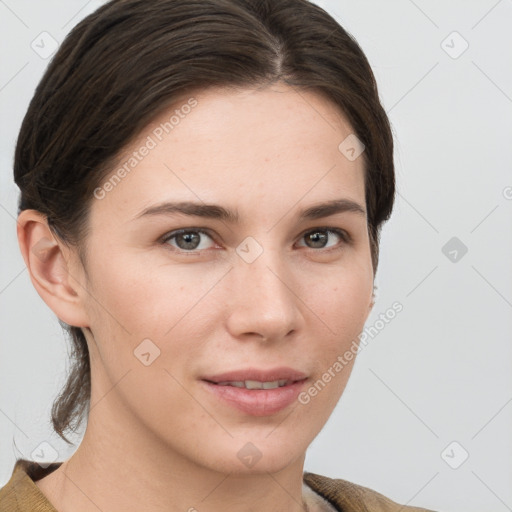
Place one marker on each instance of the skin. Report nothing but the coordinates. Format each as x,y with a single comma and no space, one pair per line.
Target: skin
155,436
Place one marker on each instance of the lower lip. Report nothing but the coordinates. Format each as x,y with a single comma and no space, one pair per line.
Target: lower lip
257,402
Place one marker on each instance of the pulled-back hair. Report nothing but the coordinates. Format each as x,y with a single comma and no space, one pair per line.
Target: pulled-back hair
130,60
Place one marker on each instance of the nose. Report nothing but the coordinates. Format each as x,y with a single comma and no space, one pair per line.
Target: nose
263,303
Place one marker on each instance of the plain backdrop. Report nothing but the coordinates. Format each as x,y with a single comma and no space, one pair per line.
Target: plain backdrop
426,418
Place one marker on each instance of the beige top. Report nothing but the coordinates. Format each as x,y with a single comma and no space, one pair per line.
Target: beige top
21,494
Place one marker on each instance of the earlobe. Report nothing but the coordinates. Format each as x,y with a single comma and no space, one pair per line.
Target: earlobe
48,261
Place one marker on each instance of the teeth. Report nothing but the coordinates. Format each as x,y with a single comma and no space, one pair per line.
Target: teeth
238,384
255,384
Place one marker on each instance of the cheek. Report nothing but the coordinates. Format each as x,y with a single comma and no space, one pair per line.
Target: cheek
139,295
133,301
343,307
343,302
140,318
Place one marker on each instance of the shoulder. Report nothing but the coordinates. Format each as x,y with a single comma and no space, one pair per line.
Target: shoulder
20,493
350,497
8,497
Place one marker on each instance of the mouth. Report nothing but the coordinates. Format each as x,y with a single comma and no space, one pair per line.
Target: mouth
255,384
251,378
257,392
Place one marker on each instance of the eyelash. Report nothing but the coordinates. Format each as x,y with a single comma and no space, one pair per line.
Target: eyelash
344,236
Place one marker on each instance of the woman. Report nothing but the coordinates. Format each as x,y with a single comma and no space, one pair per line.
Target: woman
203,185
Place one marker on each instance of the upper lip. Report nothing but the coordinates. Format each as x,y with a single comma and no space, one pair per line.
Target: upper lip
270,375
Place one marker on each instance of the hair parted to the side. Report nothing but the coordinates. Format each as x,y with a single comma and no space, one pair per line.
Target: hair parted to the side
130,60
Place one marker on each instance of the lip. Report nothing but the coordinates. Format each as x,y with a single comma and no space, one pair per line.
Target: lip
257,402
280,373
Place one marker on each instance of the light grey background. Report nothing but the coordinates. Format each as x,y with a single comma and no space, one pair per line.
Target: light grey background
441,370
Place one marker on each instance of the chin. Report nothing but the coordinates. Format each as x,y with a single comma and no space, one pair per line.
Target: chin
264,452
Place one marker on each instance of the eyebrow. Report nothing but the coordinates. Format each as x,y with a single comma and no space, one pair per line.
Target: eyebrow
214,211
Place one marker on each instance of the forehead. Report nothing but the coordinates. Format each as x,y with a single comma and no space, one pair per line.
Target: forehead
250,146
279,115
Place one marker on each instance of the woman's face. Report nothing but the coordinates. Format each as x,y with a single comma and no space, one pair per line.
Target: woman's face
273,290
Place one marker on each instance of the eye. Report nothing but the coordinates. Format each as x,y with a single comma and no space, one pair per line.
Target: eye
187,240
319,236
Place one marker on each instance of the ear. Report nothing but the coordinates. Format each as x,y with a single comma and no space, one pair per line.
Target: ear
372,301
53,267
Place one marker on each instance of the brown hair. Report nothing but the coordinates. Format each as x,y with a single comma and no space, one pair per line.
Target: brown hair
130,60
